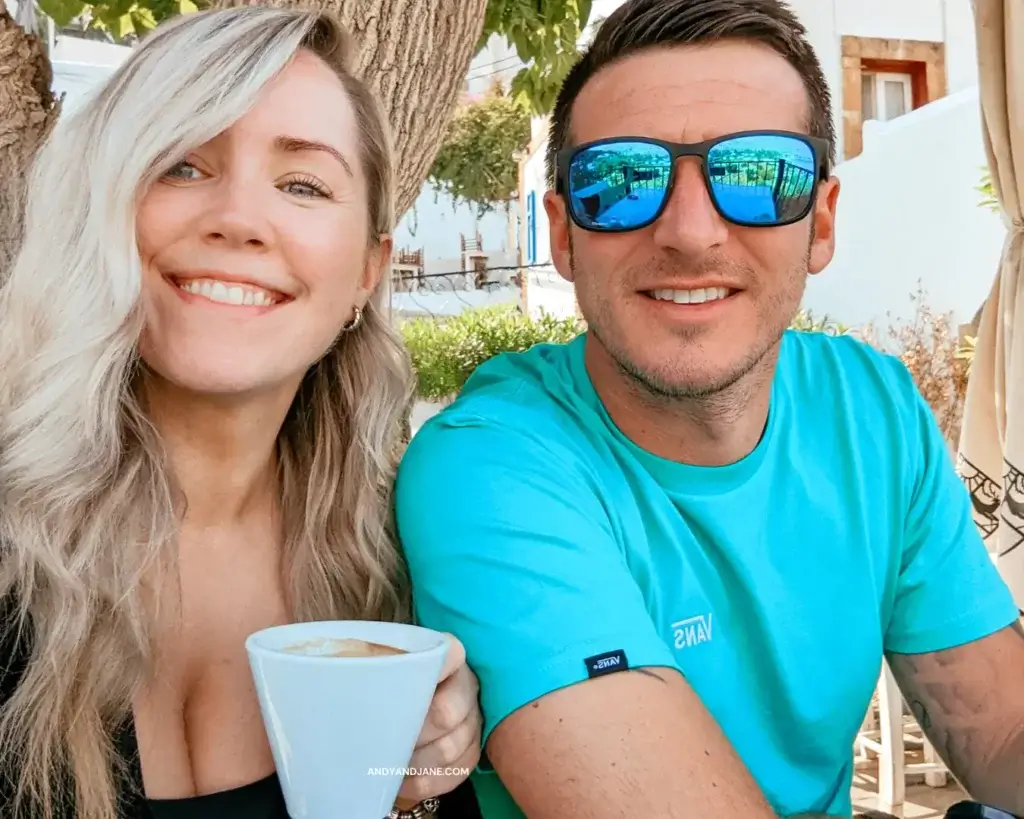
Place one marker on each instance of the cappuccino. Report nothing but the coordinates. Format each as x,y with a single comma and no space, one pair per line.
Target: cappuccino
347,647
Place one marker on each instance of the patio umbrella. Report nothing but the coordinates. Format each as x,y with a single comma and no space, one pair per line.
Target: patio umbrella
991,457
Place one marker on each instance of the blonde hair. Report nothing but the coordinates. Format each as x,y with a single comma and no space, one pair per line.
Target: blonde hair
89,513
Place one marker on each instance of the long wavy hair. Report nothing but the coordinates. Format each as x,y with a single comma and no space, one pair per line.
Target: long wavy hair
89,509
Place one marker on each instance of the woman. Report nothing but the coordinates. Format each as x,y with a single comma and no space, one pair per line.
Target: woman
200,411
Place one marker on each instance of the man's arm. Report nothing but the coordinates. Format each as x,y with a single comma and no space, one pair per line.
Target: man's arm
511,550
970,702
953,641
632,744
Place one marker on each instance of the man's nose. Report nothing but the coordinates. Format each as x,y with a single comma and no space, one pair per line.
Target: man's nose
690,224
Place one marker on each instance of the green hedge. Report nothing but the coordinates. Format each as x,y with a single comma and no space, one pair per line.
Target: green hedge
446,351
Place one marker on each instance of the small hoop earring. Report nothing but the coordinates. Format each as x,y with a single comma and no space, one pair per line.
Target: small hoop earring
355,321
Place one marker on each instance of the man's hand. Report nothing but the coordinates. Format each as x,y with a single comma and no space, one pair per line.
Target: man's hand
970,702
635,743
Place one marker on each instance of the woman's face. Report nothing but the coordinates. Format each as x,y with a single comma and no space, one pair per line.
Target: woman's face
255,246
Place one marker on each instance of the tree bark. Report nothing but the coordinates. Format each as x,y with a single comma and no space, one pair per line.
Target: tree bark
27,110
415,54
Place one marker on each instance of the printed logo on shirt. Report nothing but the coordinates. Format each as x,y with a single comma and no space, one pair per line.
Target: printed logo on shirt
607,663
692,631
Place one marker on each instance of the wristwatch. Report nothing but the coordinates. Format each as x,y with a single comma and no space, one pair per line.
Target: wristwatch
424,810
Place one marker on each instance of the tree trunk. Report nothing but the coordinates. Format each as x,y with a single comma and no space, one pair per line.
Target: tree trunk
415,54
27,109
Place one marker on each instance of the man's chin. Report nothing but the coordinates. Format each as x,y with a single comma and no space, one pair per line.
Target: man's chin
690,378
673,383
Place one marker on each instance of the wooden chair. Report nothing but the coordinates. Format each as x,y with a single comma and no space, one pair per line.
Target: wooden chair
889,733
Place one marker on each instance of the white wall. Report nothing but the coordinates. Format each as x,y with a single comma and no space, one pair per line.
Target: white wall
902,20
547,292
908,211
77,81
80,67
536,238
961,46
434,223
434,304
92,52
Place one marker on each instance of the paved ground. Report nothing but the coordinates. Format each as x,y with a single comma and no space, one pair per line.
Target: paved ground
923,802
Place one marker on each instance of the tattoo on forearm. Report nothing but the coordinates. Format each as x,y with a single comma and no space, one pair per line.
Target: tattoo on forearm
967,701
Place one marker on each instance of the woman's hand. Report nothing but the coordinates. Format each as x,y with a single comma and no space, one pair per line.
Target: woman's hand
451,734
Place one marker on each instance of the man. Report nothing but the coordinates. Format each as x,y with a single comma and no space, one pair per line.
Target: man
739,520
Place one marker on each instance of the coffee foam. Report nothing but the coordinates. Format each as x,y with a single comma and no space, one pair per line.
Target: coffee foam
343,647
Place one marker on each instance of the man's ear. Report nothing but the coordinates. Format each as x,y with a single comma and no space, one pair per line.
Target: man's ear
558,229
823,238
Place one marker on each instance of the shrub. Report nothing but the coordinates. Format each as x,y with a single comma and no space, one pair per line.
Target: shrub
445,352
806,322
929,347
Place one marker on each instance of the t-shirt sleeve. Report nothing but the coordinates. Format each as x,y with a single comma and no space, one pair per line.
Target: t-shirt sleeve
511,550
949,591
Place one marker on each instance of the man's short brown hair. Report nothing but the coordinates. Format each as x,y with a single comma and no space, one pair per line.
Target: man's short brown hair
641,25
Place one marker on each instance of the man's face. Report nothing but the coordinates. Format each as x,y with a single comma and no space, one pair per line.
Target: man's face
690,94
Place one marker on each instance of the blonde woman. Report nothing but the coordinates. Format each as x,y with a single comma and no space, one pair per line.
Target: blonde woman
200,409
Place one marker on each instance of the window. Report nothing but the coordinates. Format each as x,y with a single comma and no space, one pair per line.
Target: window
885,79
885,96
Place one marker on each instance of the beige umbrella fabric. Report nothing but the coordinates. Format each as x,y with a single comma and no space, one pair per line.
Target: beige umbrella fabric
991,457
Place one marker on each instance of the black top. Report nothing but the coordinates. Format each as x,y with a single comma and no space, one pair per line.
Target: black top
260,800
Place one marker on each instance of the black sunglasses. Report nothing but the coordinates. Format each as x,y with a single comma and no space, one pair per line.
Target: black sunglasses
754,178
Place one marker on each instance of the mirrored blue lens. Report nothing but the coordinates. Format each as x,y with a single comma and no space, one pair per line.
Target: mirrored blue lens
762,179
618,185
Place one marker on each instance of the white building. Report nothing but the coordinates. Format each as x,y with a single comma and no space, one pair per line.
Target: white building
904,81
435,224
80,66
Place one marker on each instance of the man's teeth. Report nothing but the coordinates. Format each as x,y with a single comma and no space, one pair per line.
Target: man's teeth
223,293
698,296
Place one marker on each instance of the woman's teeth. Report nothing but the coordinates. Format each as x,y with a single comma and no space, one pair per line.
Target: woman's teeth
223,293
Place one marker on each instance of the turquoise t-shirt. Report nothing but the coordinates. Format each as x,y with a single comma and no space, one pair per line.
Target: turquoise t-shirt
541,536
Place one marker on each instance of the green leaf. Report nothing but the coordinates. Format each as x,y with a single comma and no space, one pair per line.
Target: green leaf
123,26
62,11
142,19
544,34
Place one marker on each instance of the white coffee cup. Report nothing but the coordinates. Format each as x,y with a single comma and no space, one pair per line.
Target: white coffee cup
343,728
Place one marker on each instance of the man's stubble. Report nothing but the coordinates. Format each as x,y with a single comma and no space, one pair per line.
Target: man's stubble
728,394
